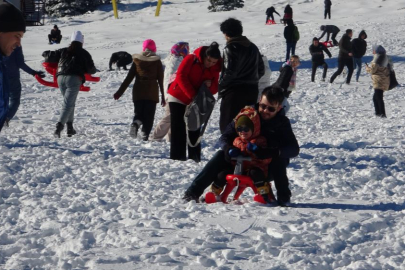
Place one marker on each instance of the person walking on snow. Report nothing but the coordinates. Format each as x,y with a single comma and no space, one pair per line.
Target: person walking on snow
269,13
12,29
328,4
330,29
291,36
73,63
318,59
288,14
147,70
122,59
345,57
380,68
359,48
171,63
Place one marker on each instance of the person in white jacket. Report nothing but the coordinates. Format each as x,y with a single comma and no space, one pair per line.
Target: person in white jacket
171,63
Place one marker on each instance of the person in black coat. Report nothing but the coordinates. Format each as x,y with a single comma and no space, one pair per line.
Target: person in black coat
241,70
55,35
122,59
328,5
288,14
281,146
345,56
318,58
330,29
290,38
269,13
359,48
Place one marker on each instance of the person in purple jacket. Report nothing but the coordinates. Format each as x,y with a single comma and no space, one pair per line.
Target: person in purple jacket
14,63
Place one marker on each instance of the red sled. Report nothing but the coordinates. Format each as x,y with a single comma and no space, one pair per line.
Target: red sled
51,69
240,181
327,44
270,22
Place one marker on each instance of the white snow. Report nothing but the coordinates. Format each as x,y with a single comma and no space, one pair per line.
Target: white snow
102,200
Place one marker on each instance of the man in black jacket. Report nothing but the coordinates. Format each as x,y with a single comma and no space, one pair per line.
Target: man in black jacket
345,56
359,48
328,4
291,36
122,59
330,29
241,70
281,141
269,13
55,35
318,58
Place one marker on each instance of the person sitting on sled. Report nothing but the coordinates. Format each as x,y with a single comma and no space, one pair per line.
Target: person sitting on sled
249,141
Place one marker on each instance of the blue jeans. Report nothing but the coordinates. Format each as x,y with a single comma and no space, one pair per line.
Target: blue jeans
357,62
15,96
290,47
69,86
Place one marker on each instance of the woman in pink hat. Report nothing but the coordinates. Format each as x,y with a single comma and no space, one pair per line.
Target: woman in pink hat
148,71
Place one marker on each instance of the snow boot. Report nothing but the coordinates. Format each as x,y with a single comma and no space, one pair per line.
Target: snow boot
70,130
266,192
217,190
59,128
133,132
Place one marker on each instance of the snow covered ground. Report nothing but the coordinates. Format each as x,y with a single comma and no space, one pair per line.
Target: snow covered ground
101,200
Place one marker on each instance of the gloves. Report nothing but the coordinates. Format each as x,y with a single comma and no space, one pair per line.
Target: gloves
263,153
227,150
117,96
40,74
234,152
252,147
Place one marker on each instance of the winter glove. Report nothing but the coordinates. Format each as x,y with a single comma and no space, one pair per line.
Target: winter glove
227,156
234,152
264,153
117,96
40,74
252,147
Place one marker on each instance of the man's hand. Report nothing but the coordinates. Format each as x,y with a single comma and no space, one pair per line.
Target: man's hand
207,83
117,96
350,54
40,74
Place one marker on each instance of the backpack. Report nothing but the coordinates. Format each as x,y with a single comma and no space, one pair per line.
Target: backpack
198,113
296,34
393,79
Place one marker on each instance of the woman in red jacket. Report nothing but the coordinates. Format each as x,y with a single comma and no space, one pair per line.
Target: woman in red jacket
203,66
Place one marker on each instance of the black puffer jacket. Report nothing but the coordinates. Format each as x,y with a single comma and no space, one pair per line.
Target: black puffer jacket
243,64
317,53
284,78
329,29
345,47
78,64
328,3
359,45
289,32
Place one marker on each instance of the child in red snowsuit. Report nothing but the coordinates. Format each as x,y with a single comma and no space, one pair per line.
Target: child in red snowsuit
247,125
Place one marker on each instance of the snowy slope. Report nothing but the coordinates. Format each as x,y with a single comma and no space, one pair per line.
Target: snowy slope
101,200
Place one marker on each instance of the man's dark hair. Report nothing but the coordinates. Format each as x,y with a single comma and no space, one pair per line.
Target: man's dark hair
232,27
348,31
274,94
213,51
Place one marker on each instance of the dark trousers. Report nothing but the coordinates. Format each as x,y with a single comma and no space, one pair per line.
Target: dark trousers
235,99
315,65
379,102
335,42
269,16
342,62
54,39
15,97
327,12
178,139
145,112
217,164
290,48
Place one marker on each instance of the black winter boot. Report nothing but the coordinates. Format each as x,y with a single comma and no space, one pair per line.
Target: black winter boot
70,130
59,128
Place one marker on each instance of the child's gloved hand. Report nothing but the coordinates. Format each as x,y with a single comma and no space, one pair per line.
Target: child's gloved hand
252,147
234,152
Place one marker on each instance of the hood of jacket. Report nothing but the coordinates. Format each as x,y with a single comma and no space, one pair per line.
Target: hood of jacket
253,116
363,32
242,40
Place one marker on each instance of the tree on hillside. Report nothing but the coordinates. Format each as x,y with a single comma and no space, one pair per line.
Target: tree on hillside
225,5
61,8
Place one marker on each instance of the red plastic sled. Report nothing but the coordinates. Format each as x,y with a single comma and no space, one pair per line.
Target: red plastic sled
328,44
51,69
270,22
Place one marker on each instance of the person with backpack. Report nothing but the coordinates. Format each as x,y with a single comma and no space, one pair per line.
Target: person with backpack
318,59
171,63
147,70
201,67
269,13
380,68
122,59
73,63
328,30
241,71
291,35
359,48
328,4
55,36
345,57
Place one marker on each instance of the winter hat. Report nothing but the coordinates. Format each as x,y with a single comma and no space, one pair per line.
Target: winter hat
180,49
77,36
149,44
380,50
55,26
244,120
315,39
11,19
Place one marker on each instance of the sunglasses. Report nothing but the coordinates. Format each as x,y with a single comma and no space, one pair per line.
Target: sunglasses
242,129
268,108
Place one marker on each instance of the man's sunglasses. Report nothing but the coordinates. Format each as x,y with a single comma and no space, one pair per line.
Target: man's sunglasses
268,108
242,129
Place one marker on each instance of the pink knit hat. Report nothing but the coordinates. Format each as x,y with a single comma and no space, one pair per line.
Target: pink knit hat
149,44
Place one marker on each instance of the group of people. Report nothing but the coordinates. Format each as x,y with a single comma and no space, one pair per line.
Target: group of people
260,129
